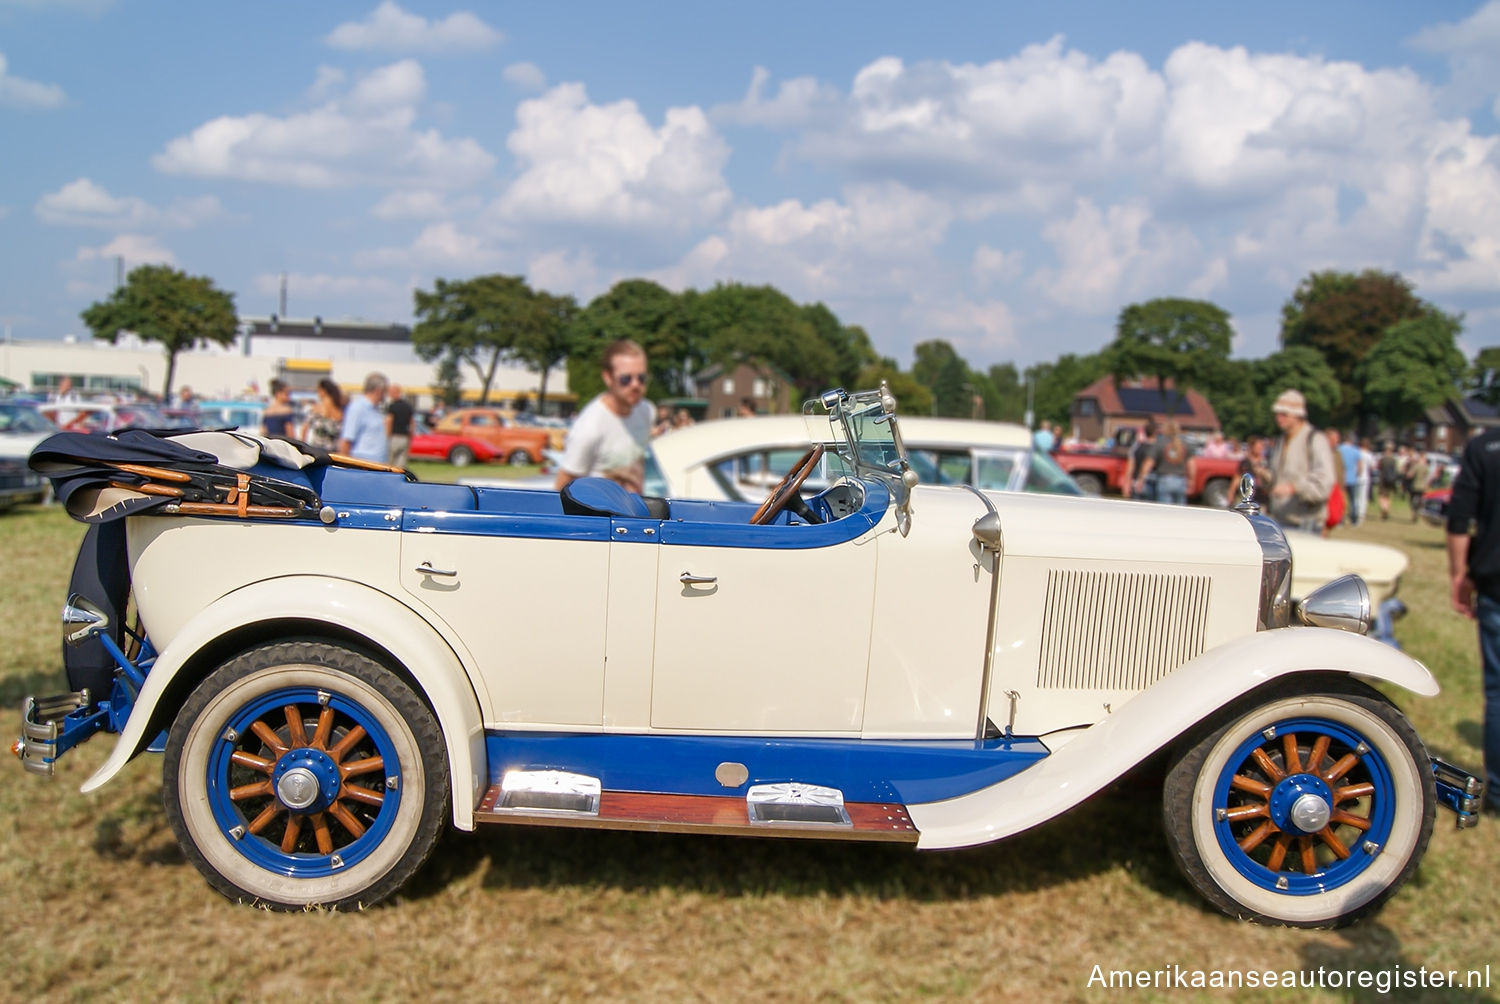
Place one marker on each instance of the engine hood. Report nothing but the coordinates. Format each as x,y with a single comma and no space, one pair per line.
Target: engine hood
1067,528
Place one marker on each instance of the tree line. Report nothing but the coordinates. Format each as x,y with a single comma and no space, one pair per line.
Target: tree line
1363,347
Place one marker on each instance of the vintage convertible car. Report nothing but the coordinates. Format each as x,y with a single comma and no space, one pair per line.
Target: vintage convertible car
360,665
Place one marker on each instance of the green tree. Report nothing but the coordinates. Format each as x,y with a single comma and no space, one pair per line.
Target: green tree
938,367
547,339
648,314
475,321
1483,376
1415,365
1342,315
1298,368
1230,387
912,397
164,305
1004,396
1174,340
1055,384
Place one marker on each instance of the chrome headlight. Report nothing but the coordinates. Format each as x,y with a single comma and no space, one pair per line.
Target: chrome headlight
1275,573
1343,603
81,619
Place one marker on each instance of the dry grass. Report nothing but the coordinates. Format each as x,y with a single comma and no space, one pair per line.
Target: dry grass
99,902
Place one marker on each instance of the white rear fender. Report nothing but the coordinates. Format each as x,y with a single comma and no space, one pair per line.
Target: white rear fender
1152,720
354,607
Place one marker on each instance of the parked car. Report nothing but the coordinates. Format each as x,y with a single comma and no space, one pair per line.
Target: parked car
1435,505
103,417
242,416
516,443
1102,472
740,459
21,428
458,450
362,662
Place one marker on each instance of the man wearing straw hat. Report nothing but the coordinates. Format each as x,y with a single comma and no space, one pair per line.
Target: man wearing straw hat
1300,469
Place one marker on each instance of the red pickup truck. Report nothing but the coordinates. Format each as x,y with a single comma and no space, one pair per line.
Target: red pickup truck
1100,472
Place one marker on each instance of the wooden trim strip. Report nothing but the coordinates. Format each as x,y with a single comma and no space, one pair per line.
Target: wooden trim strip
712,814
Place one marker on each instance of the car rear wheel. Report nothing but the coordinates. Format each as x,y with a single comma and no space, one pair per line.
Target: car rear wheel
460,456
1309,810
305,773
1091,484
519,458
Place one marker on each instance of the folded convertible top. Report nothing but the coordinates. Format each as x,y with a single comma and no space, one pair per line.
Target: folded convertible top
103,478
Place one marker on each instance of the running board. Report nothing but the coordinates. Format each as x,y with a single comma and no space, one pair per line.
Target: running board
717,814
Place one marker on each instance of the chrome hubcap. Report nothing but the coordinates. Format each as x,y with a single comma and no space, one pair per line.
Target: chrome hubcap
298,788
1310,813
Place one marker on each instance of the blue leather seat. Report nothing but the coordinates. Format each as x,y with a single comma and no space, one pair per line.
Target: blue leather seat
602,497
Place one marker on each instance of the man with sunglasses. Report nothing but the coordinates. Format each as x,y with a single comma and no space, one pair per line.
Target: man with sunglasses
610,435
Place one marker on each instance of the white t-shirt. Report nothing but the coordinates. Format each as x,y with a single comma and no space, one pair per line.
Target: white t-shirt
602,444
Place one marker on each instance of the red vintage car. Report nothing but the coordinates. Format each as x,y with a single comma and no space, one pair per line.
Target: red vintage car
516,444
459,450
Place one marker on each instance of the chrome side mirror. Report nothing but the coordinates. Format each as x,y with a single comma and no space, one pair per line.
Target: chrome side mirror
82,619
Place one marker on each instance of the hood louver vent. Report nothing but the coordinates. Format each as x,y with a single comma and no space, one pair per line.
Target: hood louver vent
1119,630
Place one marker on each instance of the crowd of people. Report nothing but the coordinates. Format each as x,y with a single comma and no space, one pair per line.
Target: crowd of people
1309,479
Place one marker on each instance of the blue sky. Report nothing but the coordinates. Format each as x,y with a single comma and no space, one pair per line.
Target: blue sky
1003,176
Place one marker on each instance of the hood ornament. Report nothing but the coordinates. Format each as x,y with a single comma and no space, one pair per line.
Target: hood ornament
1246,504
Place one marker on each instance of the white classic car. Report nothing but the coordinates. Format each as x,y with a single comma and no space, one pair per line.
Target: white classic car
339,662
740,460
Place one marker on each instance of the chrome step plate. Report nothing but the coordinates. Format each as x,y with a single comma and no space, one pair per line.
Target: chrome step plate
794,803
550,792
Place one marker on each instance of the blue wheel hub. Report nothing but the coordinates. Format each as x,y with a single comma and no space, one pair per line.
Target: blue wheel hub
304,782
1301,803
1304,806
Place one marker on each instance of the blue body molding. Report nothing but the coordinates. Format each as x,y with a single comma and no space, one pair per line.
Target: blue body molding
908,771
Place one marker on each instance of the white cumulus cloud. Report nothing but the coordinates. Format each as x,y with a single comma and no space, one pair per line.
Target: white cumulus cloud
389,27
27,95
606,165
84,203
525,75
365,134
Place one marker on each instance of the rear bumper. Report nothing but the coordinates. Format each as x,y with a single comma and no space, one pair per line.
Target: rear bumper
1458,790
50,726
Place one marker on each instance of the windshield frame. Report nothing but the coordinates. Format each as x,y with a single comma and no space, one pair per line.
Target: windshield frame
868,437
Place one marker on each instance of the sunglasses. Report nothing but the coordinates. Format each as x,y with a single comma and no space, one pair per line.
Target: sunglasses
626,379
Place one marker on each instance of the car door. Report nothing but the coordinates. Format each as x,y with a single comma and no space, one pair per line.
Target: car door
763,629
527,595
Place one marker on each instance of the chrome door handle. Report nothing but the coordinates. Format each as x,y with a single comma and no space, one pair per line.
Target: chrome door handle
689,579
425,568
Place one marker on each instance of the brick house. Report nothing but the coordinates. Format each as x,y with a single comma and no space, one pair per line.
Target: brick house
1102,409
724,387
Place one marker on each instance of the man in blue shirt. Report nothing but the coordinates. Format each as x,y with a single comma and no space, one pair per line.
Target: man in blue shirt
1353,458
364,436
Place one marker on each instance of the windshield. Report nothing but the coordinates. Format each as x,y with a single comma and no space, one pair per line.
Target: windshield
16,419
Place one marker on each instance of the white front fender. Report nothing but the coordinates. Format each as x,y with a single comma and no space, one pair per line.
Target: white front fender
1152,720
355,607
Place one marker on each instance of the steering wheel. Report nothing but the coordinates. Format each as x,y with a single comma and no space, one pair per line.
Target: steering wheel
784,493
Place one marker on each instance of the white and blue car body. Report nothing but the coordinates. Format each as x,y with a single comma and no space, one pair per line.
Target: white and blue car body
340,669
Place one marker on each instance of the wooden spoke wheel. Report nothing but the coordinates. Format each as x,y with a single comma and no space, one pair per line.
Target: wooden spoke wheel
303,773
1309,810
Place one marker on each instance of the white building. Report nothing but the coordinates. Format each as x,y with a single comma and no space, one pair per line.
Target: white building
299,351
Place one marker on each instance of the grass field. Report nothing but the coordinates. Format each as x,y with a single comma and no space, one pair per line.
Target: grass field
98,903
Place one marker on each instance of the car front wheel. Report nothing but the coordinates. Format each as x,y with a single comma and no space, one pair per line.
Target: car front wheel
305,773
460,456
1308,810
519,458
